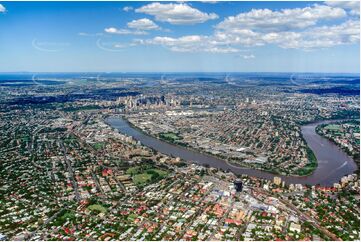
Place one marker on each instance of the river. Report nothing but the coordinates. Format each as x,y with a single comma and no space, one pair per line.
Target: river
333,163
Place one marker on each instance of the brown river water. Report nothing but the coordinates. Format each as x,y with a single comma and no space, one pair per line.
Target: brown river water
333,163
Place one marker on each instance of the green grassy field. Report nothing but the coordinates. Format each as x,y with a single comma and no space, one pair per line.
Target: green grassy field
97,208
142,178
144,175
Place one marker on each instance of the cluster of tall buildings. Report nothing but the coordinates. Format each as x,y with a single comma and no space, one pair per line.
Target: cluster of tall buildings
146,102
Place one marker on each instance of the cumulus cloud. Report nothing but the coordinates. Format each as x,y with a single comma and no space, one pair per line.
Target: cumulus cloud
127,8
234,42
184,43
297,28
352,6
176,13
143,24
312,38
286,19
245,37
322,37
288,28
113,30
2,9
191,43
210,1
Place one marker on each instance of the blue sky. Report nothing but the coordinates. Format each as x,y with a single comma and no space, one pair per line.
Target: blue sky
180,36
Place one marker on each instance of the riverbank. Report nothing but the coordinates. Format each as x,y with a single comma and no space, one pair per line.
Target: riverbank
307,170
200,151
332,166
354,152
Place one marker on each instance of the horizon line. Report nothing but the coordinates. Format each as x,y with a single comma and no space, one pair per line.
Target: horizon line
170,72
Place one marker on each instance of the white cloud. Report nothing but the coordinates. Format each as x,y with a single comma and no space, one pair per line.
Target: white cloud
286,19
190,43
176,13
113,30
142,24
287,28
127,8
186,42
235,41
210,1
352,6
312,38
245,37
322,37
265,27
2,9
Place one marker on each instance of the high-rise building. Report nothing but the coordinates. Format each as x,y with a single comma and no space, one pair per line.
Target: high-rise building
238,185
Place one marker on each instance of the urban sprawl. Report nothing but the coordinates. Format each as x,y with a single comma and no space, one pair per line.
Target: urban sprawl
67,174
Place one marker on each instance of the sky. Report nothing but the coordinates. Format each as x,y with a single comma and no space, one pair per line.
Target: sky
163,36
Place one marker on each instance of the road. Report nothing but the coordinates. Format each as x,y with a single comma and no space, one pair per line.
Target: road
303,216
71,173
